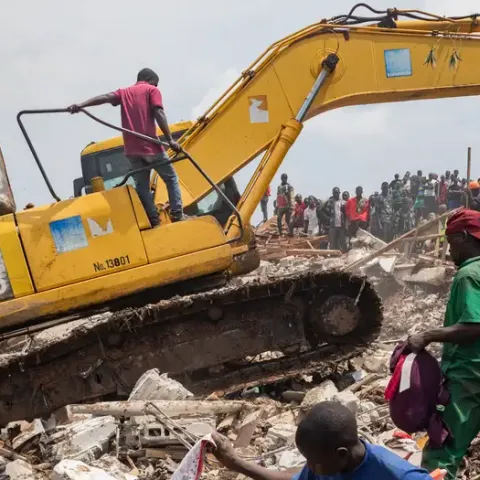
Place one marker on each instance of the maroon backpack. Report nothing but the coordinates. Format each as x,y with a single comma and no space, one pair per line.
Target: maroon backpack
416,394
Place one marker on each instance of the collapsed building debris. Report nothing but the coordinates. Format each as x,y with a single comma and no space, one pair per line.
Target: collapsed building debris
257,403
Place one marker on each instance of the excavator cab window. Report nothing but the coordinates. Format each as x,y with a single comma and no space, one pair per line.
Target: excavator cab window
213,204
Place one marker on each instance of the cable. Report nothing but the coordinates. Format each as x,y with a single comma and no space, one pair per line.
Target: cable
351,19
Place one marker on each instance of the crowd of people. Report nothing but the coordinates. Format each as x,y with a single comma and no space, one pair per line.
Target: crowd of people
399,206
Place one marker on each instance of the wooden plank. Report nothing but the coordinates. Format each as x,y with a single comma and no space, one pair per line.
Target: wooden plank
425,237
437,241
443,255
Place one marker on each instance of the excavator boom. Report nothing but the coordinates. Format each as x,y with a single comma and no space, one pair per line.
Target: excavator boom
409,60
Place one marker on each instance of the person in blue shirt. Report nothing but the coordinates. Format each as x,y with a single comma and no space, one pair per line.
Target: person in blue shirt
327,437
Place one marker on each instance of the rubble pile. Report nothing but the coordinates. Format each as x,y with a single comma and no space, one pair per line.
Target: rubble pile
273,246
148,435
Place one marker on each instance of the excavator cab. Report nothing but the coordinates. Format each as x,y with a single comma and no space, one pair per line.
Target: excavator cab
106,159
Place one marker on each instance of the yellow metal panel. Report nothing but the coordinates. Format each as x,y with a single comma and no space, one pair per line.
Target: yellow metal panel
142,219
181,238
100,290
14,258
231,138
118,141
81,238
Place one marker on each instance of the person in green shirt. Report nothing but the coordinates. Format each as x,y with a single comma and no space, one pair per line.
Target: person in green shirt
460,336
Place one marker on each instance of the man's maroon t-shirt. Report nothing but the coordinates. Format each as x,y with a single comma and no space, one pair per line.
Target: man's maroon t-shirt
137,104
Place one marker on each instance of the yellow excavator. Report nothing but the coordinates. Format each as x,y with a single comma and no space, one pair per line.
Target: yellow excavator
160,296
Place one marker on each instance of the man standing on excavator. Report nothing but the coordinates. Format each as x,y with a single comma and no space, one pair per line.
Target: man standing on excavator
141,106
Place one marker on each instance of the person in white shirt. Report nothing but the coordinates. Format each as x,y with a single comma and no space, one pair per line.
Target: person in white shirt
310,218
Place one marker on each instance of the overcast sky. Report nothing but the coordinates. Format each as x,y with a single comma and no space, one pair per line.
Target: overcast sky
55,53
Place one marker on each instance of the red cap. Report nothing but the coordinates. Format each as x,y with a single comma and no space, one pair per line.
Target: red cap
464,220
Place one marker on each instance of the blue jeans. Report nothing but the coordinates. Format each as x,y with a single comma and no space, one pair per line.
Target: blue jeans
142,183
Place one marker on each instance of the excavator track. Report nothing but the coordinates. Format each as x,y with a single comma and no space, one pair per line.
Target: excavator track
201,339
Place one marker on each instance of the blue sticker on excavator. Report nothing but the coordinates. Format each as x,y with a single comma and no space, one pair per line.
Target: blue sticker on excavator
68,234
398,63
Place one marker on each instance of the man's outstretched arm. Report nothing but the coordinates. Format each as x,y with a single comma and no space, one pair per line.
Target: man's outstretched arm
228,457
111,98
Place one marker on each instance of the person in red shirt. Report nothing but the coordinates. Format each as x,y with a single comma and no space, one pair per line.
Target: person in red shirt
357,211
142,105
442,191
298,210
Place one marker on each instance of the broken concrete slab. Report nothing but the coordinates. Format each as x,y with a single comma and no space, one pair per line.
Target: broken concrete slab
284,417
280,435
34,429
368,413
76,470
290,459
19,470
287,261
323,393
83,441
64,415
377,362
150,432
155,386
387,264
433,276
367,239
247,427
347,399
113,466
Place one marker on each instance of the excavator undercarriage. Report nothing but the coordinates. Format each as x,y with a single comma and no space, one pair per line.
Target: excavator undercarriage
309,317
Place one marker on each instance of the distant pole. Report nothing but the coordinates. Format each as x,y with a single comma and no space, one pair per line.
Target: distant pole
469,171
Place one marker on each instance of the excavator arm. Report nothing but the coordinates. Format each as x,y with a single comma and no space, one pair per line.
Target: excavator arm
423,57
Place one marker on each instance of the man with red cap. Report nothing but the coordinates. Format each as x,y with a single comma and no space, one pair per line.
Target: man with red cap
460,336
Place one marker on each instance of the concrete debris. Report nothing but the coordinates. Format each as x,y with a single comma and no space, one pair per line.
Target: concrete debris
290,459
280,435
19,470
348,399
148,435
33,430
434,277
366,239
76,470
153,386
377,362
246,429
114,466
84,441
387,264
323,393
368,413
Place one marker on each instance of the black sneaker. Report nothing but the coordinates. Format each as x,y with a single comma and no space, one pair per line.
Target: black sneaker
180,218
